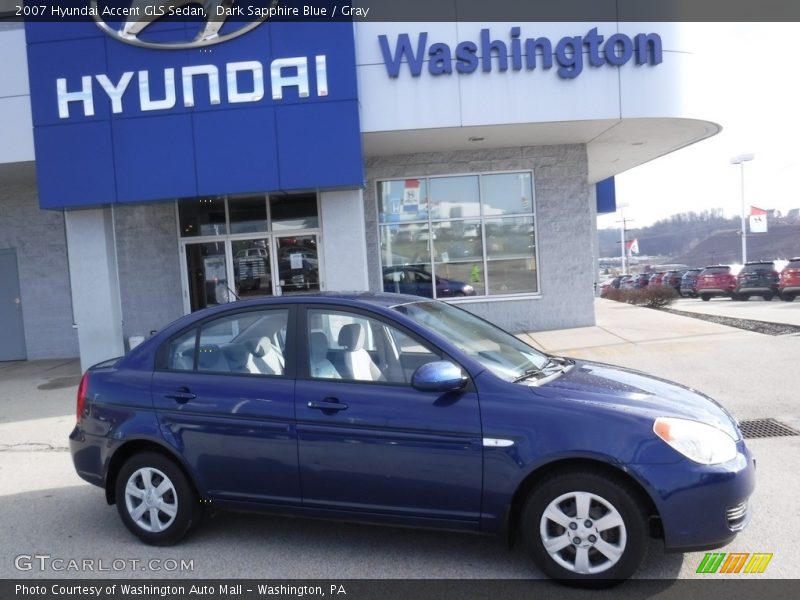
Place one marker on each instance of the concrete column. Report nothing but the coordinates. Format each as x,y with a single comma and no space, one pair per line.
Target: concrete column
95,284
344,244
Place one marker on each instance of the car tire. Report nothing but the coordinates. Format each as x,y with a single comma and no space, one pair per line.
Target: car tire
768,297
157,518
567,507
787,297
705,297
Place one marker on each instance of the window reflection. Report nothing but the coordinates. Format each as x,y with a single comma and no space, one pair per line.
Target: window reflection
295,211
202,216
455,197
506,193
248,214
403,200
465,244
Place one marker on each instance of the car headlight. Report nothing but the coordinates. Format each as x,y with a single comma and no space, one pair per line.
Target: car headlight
702,443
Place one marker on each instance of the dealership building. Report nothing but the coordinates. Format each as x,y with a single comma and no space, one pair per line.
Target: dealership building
149,169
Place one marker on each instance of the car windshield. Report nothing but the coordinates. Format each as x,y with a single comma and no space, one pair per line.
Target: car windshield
499,351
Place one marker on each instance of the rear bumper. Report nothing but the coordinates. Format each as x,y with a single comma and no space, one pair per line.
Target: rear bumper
87,456
701,506
715,291
758,290
792,289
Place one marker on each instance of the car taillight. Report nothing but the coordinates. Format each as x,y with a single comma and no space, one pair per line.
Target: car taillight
81,402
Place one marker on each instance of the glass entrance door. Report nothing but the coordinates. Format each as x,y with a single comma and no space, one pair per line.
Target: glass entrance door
252,267
207,274
298,263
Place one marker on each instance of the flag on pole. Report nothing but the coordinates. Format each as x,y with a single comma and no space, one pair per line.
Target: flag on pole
632,247
758,220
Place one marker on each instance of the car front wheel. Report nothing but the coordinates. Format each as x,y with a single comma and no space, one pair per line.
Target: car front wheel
155,499
585,529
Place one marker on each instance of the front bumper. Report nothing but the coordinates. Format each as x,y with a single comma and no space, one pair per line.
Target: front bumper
702,507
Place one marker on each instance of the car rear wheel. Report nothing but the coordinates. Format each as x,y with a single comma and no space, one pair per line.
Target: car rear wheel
585,529
705,297
787,297
768,297
155,499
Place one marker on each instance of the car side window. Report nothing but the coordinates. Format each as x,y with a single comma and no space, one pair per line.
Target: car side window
180,355
354,347
251,342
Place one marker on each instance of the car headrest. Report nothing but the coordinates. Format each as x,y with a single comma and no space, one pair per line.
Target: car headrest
351,336
318,343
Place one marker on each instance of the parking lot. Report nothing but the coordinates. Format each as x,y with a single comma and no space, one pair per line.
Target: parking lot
774,311
48,510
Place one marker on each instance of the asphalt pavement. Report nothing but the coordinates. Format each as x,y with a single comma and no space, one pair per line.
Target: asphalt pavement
48,510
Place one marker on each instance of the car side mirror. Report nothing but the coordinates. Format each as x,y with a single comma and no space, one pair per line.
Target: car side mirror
439,376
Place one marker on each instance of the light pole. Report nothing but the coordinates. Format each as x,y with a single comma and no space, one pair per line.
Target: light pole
740,160
622,235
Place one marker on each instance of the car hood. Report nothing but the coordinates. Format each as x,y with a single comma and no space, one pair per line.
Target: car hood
628,390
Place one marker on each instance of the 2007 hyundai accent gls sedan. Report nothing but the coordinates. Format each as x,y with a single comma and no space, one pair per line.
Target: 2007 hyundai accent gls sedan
403,410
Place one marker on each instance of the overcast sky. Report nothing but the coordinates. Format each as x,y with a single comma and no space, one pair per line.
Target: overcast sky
751,86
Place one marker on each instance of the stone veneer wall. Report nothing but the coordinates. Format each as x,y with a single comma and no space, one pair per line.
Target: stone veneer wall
148,263
39,238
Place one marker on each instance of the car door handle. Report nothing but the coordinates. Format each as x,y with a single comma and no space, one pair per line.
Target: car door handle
328,405
182,395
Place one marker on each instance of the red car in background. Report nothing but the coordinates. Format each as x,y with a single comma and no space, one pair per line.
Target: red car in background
655,278
789,283
716,280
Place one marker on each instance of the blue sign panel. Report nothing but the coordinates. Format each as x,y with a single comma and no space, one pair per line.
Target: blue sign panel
121,117
606,192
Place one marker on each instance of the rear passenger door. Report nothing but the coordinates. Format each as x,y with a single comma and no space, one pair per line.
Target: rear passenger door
224,394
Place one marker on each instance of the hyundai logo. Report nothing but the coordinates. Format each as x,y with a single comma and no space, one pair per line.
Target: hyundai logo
143,13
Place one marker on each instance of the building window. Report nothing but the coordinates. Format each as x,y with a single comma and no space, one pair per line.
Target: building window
201,217
464,235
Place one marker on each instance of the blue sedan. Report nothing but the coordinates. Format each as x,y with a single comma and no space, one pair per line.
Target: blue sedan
396,409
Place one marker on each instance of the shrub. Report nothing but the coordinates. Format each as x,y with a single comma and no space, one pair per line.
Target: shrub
651,297
659,297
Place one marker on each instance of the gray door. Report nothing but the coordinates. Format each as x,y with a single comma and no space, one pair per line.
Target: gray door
12,338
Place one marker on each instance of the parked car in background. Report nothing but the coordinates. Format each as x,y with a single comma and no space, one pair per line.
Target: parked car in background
655,278
688,287
757,278
408,279
628,282
642,280
789,285
716,280
672,279
402,410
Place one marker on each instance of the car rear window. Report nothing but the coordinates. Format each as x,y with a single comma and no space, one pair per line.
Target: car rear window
793,264
759,267
716,270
